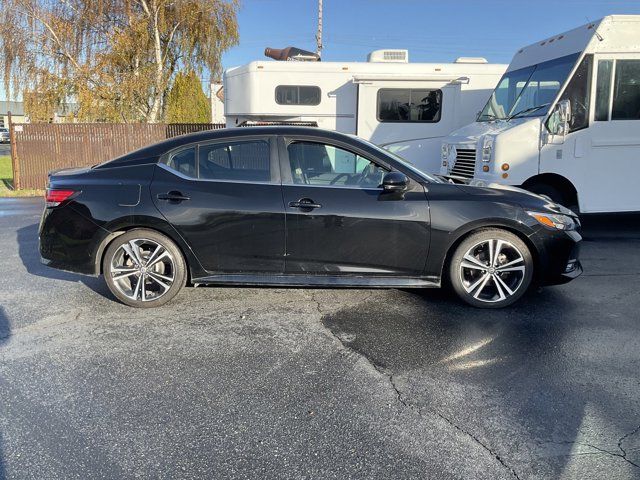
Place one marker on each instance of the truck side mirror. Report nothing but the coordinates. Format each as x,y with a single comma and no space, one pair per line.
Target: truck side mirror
564,109
558,122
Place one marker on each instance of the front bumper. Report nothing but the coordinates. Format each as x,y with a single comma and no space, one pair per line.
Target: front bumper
559,256
566,277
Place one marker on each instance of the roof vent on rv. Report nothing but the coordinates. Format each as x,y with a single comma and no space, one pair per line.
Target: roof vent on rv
471,60
291,53
389,56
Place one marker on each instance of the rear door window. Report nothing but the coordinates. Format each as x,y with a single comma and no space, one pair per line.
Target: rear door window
247,161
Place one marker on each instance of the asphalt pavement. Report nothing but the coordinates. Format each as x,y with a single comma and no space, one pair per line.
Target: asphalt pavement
319,383
5,149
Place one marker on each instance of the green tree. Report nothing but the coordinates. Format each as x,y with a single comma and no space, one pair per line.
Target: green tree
116,59
186,102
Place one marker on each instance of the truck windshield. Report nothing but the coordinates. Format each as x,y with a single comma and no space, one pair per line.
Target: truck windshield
529,91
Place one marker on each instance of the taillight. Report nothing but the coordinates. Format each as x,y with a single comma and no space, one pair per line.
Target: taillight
55,197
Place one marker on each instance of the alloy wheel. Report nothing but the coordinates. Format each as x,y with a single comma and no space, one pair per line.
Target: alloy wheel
492,270
142,269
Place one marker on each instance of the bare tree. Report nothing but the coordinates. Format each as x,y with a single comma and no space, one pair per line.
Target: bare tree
115,58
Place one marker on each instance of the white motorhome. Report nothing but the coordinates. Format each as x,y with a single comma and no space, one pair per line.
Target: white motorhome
564,121
405,107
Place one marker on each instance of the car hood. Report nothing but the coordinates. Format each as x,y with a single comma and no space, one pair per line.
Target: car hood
524,198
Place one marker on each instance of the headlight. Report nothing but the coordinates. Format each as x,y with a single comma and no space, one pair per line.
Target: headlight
487,148
444,152
554,221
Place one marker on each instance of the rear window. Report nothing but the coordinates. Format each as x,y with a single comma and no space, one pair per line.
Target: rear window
183,161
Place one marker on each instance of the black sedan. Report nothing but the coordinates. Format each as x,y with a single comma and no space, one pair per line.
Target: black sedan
300,207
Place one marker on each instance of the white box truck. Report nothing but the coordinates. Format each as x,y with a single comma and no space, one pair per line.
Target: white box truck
563,121
405,107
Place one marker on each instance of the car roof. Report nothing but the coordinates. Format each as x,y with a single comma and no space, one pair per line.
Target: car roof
151,153
256,130
157,149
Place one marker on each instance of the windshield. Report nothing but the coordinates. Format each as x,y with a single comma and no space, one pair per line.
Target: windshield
529,91
397,158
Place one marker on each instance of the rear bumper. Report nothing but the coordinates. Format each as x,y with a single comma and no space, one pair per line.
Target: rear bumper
69,240
83,269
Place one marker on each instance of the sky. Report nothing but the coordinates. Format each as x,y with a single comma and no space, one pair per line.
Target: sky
432,31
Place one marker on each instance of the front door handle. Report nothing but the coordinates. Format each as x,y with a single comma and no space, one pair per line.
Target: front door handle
173,196
305,204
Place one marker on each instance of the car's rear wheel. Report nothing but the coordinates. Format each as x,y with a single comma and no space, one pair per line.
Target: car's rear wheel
492,268
144,268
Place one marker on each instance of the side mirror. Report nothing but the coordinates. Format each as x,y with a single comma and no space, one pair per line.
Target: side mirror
558,123
394,182
564,110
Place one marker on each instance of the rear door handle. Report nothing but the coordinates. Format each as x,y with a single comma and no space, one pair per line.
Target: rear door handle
173,196
304,204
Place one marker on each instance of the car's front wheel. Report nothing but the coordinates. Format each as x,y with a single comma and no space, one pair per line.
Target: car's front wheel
144,268
492,268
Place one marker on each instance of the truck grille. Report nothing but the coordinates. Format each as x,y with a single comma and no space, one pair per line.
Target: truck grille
465,163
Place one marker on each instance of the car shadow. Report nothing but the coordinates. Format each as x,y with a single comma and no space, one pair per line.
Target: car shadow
27,238
5,333
610,226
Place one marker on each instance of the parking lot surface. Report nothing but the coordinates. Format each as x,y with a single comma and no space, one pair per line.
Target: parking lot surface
319,383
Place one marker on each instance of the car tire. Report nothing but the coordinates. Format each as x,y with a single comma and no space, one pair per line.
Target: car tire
491,268
144,269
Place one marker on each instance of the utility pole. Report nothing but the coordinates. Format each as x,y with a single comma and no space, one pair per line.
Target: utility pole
319,34
15,164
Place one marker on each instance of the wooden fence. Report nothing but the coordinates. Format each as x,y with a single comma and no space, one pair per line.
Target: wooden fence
37,148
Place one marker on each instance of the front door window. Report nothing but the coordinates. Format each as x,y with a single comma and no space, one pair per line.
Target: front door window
577,92
320,164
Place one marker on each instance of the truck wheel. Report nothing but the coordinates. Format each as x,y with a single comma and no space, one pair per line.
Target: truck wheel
555,195
548,191
492,268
